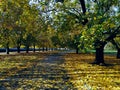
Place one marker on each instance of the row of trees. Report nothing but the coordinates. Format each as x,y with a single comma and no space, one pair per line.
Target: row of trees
77,24
22,24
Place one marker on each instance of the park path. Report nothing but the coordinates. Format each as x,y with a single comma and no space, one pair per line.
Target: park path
47,74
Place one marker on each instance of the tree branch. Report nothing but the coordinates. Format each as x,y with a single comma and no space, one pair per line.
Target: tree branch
114,43
83,6
113,35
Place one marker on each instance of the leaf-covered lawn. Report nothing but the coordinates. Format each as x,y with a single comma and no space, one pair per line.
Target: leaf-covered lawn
86,76
48,71
42,71
11,64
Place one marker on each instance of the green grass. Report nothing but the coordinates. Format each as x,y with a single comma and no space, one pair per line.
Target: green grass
111,52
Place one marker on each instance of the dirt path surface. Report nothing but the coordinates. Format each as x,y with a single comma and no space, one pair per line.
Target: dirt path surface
47,74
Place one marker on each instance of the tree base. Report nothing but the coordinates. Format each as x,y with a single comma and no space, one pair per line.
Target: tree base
99,63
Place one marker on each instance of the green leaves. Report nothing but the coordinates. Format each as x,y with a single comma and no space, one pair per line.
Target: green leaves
65,19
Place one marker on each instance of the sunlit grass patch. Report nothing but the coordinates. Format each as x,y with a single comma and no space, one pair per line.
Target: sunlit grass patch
86,76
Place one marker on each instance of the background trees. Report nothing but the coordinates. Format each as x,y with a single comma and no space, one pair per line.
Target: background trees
20,23
8,21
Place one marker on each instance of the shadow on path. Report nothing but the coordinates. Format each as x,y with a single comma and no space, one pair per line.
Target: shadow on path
47,74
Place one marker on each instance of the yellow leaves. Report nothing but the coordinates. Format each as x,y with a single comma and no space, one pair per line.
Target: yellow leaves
7,26
95,18
108,25
0,2
17,22
10,28
44,8
112,25
85,76
57,5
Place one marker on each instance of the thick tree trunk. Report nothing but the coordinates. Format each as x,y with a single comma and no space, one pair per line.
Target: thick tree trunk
27,49
99,58
118,53
99,55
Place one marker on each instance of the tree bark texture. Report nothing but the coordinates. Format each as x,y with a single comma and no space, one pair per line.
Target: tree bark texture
99,57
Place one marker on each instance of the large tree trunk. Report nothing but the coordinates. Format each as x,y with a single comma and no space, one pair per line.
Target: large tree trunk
118,53
99,57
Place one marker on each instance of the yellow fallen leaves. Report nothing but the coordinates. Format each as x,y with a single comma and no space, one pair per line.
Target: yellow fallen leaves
85,76
74,72
10,64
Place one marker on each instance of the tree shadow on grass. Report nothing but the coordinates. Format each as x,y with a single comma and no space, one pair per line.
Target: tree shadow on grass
47,74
